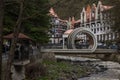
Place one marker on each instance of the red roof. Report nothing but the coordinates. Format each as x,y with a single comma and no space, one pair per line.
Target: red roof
107,7
21,36
52,12
68,31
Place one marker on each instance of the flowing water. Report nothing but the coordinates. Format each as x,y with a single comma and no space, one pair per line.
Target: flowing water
106,70
112,72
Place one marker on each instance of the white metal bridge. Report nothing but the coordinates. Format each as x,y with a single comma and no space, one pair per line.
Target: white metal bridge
80,51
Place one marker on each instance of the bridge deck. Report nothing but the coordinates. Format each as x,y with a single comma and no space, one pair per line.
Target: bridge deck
80,51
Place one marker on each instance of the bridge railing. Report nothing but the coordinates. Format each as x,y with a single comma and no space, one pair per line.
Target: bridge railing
80,51
52,46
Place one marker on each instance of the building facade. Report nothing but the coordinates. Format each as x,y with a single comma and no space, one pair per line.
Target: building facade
95,17
57,29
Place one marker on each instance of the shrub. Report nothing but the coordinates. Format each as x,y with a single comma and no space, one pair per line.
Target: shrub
35,70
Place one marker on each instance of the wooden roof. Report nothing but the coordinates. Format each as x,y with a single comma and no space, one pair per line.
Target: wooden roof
21,36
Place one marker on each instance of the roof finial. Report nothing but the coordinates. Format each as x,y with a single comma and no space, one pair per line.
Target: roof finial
52,12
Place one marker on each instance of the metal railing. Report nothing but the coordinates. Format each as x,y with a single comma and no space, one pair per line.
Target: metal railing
52,46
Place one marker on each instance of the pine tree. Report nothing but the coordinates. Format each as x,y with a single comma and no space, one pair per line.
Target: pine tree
1,36
30,15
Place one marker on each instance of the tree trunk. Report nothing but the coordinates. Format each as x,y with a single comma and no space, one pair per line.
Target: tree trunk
14,41
1,32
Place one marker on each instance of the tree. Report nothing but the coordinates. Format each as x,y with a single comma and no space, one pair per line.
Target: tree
116,17
32,15
1,32
35,19
14,41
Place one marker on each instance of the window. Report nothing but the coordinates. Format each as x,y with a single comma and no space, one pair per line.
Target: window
94,30
97,29
100,29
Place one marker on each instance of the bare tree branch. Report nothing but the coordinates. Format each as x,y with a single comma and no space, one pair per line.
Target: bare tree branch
38,13
14,41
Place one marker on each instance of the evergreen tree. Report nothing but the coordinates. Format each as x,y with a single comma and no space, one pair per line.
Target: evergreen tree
68,8
22,15
1,36
116,17
34,19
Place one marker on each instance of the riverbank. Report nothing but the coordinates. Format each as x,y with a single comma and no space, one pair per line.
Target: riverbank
103,70
112,72
65,71
62,70
106,70
76,67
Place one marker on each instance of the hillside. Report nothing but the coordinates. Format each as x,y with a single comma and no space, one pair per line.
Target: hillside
67,8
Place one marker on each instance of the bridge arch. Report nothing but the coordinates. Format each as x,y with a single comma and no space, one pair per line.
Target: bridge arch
72,37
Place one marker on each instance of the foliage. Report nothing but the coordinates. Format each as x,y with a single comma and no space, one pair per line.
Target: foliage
35,70
69,8
35,21
116,17
64,70
39,22
1,34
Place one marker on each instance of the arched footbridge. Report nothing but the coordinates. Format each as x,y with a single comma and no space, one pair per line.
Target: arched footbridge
80,36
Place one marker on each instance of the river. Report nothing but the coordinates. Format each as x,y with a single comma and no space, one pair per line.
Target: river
112,71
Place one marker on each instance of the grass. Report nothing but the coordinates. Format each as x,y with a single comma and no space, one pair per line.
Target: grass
63,69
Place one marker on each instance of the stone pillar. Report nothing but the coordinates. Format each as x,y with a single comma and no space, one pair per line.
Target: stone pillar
63,42
18,70
102,36
113,36
105,36
109,36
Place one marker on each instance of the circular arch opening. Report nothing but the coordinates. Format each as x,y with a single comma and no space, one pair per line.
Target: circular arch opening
82,38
